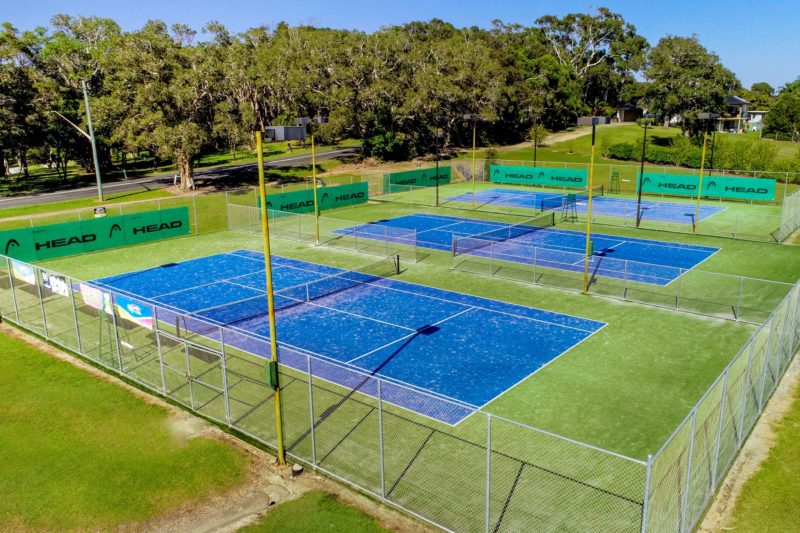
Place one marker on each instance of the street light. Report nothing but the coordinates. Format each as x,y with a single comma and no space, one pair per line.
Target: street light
707,118
474,118
647,119
89,136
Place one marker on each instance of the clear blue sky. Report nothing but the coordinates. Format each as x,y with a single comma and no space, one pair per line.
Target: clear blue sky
757,39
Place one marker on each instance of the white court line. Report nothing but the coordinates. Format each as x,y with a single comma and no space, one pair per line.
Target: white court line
415,332
417,294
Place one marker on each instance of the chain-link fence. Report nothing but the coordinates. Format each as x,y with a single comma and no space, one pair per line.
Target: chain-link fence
363,237
759,222
689,290
206,212
686,472
486,473
790,217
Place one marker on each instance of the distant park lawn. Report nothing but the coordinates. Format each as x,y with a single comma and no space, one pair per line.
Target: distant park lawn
315,512
82,453
770,500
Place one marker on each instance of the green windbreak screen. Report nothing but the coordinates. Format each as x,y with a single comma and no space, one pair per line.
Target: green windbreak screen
70,238
329,198
547,177
423,177
713,186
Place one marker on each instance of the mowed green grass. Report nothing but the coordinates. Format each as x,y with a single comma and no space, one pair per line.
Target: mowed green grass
625,388
770,499
80,453
317,512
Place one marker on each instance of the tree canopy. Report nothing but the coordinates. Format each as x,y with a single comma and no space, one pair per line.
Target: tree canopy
177,92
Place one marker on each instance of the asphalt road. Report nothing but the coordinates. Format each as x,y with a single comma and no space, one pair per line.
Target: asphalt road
202,177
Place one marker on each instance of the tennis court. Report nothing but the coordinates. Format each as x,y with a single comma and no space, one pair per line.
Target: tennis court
601,205
451,345
535,242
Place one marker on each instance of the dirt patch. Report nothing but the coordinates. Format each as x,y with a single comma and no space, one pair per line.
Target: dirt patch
755,451
267,483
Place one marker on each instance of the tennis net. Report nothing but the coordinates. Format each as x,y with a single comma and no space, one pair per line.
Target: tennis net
552,203
240,311
478,241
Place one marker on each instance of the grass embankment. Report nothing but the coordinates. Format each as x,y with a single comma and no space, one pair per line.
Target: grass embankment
770,499
315,511
83,453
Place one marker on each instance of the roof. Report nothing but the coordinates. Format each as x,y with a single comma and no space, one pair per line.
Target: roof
735,100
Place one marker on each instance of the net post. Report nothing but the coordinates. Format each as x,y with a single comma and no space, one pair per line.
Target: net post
719,431
535,260
396,259
646,498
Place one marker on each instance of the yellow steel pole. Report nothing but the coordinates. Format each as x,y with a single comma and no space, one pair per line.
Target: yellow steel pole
474,126
589,219
314,178
700,184
273,337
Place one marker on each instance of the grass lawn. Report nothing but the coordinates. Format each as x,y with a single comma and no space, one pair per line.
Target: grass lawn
82,453
43,179
770,499
83,203
315,512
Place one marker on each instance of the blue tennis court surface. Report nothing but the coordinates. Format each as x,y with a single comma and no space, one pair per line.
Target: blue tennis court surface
450,345
645,261
601,205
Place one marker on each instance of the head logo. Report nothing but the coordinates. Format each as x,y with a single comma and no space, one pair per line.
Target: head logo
115,227
12,243
711,185
645,181
269,206
325,198
496,171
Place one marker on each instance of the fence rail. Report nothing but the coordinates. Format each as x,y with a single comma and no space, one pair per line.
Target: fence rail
367,238
695,291
487,473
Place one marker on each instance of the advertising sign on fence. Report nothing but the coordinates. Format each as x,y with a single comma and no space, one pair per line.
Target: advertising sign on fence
422,177
55,283
135,312
23,272
713,186
547,177
96,299
70,238
329,198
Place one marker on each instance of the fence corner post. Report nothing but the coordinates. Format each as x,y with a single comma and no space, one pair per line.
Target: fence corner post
646,498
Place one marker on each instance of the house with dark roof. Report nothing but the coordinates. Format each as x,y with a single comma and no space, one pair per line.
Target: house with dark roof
735,117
